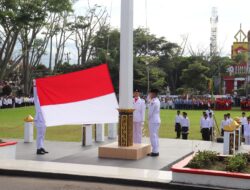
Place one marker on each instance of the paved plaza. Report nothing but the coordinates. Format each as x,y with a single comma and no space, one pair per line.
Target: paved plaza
171,150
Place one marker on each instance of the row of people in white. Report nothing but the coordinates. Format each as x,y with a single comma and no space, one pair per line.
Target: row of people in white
207,125
182,125
9,102
153,119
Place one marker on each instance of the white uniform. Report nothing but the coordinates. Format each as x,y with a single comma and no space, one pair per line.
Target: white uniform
138,119
154,123
244,122
211,121
210,111
223,123
247,133
205,123
39,123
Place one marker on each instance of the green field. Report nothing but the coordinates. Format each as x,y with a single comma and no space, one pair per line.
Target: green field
11,124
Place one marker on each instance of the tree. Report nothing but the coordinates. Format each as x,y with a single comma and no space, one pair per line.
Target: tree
86,28
195,77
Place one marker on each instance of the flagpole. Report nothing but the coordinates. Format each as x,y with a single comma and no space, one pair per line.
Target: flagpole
126,75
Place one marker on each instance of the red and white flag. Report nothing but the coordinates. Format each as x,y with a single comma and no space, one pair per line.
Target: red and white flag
83,97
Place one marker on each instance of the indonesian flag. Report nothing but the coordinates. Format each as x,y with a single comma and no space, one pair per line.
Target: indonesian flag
83,97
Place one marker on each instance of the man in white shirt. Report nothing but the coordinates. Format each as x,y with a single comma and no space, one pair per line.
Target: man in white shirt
178,119
209,111
1,102
205,126
138,116
224,123
185,124
154,121
211,125
229,119
243,121
247,132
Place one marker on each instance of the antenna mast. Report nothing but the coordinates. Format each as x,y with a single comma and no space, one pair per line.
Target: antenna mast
213,37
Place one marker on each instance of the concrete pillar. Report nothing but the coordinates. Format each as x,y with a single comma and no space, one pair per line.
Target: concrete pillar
28,132
86,135
112,130
99,132
229,143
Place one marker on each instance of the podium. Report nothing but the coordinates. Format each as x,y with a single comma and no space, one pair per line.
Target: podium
229,143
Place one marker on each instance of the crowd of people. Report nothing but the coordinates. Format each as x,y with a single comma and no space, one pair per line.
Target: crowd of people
195,103
14,102
182,125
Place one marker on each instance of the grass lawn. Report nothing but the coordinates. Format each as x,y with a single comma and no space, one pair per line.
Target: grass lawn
11,124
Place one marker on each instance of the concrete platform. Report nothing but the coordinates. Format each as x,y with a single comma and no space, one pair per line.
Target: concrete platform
135,152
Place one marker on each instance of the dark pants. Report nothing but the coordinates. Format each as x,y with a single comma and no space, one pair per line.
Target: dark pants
242,130
211,134
184,132
222,132
178,130
205,134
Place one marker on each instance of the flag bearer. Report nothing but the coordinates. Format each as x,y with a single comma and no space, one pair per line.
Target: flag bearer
40,125
154,121
138,116
185,124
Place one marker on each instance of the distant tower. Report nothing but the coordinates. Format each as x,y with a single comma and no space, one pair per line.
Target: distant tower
213,37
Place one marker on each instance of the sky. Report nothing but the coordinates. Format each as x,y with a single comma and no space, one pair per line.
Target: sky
174,19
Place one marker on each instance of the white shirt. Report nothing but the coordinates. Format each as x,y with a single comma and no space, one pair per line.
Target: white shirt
243,120
1,102
9,101
140,107
229,120
185,122
247,129
178,118
223,123
154,111
211,122
5,101
205,123
210,111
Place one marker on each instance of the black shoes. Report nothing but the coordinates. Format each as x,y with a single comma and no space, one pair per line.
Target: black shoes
41,151
153,154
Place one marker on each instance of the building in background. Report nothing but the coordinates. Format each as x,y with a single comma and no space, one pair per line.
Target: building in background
237,72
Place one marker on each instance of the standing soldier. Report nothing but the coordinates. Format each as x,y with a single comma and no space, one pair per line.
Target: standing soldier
205,125
154,121
185,124
178,119
138,116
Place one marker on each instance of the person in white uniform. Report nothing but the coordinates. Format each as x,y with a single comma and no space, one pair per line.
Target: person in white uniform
208,111
205,126
243,121
154,121
178,119
138,116
185,125
40,125
247,132
224,123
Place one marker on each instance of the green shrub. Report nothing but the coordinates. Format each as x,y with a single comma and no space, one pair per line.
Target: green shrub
236,163
203,159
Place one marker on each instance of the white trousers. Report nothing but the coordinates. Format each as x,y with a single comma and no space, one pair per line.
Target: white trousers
40,137
247,140
154,136
137,132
